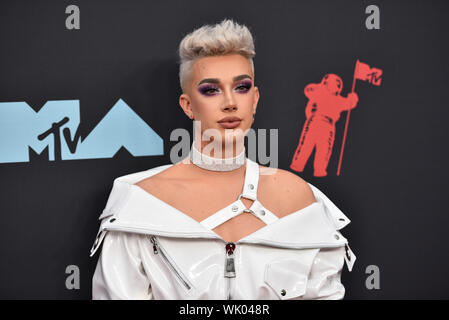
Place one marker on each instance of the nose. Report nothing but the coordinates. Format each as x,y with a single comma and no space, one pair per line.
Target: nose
229,103
230,108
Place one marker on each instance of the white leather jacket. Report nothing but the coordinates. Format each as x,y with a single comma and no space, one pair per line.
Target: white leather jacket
152,250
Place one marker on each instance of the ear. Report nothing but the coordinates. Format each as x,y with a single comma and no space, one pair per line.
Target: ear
256,98
184,102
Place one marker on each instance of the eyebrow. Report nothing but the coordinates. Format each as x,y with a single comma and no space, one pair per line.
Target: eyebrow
215,80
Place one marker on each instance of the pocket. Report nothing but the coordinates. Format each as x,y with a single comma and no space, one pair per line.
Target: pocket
288,277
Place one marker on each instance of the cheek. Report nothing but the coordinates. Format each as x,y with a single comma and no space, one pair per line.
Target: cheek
202,106
206,112
246,101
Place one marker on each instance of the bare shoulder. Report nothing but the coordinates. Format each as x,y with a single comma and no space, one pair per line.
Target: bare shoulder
161,183
289,188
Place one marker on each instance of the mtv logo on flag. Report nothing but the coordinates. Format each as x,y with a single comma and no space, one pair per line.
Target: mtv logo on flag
365,73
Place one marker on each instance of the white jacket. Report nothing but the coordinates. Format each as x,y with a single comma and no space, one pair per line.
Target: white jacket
152,250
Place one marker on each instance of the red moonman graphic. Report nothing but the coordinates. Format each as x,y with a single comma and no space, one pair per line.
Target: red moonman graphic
322,112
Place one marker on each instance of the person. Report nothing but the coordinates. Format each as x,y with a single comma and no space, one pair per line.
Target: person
217,225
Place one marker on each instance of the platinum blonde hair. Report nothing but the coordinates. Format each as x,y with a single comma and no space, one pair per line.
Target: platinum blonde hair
226,37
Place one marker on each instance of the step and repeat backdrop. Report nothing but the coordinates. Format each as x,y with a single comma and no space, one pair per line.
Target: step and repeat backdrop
89,92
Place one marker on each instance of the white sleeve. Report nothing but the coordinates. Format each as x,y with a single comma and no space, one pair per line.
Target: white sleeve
324,281
119,274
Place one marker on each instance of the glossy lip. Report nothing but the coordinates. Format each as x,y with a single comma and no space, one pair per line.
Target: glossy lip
229,119
229,124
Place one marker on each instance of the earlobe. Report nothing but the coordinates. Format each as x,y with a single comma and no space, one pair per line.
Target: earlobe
184,102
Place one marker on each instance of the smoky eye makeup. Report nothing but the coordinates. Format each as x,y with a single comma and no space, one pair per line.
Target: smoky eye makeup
208,89
244,86
212,89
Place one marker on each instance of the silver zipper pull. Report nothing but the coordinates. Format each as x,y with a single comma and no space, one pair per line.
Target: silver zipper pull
229,264
153,240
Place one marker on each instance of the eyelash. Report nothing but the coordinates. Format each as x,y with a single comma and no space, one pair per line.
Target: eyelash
207,89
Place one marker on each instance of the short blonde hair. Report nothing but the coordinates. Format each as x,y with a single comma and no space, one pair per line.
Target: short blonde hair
226,37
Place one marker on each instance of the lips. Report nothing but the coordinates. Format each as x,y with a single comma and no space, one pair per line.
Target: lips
229,119
230,122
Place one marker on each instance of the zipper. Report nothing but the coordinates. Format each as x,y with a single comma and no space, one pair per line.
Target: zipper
229,266
157,249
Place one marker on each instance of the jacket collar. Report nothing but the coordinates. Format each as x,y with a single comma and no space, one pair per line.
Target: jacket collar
135,210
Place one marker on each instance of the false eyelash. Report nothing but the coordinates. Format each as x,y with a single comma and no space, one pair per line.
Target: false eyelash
204,90
247,86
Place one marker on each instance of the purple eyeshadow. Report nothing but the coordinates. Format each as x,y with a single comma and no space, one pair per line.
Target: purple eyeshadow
210,90
246,85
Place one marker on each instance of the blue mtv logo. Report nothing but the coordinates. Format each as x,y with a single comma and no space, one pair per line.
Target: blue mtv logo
56,126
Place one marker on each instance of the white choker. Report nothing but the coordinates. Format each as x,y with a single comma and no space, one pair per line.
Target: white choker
216,164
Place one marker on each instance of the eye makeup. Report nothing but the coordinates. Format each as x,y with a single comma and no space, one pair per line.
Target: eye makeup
244,86
209,89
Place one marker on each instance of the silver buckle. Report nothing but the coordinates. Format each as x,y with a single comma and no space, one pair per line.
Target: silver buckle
241,195
248,210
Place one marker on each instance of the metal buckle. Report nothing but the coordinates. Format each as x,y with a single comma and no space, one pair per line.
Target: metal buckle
248,210
241,195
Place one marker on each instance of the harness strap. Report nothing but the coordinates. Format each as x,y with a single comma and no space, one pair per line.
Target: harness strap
237,207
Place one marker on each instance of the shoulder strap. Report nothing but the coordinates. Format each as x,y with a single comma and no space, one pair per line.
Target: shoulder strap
251,180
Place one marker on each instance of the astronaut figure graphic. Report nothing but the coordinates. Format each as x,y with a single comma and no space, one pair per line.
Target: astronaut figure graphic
322,112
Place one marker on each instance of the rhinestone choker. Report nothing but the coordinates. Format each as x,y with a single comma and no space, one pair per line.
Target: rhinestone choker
216,164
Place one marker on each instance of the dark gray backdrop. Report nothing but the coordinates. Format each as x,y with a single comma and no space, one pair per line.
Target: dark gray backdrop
393,182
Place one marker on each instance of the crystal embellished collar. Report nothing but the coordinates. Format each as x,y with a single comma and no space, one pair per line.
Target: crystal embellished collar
216,164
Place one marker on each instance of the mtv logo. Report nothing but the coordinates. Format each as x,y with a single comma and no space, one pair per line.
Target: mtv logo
21,127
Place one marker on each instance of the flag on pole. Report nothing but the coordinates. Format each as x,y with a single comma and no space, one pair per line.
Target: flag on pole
362,72
365,73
